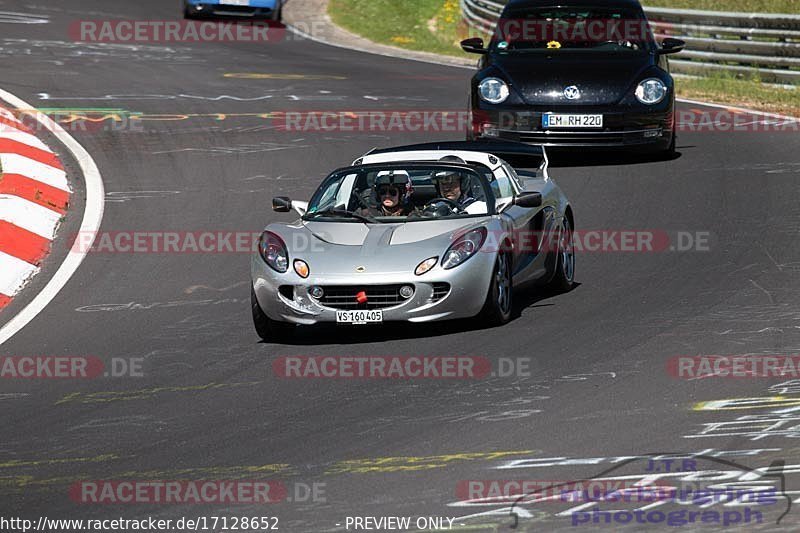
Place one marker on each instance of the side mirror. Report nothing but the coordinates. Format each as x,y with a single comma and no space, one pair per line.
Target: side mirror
528,199
474,46
281,204
671,46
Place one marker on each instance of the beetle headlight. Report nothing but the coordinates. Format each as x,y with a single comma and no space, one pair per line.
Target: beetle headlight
651,91
493,90
273,252
465,247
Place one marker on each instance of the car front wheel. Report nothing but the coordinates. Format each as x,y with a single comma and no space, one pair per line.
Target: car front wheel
269,330
497,308
671,149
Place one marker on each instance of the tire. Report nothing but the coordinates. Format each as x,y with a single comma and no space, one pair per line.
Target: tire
269,330
671,149
564,277
499,299
277,15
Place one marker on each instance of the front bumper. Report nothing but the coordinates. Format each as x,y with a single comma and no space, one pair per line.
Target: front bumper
285,297
620,129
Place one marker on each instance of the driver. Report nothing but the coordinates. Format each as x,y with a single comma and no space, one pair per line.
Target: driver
451,184
393,191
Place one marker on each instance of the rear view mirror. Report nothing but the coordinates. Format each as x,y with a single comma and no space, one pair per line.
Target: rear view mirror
672,46
473,46
281,204
529,200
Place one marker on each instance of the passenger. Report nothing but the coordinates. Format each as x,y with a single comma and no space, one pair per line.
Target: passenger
393,191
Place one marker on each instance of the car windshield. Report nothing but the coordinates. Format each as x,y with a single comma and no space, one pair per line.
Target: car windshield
591,29
399,192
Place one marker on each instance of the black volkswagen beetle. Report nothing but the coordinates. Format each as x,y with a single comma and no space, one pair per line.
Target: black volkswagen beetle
586,73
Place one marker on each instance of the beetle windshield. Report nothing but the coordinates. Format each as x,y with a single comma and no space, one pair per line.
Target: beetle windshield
399,192
554,30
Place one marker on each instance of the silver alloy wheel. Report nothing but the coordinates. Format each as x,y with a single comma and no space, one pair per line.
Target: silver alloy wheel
503,282
567,250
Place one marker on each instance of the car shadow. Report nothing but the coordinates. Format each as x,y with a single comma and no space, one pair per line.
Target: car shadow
530,298
321,334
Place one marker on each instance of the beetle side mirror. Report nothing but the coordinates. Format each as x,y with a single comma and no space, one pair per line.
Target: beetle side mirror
529,200
281,204
671,46
474,46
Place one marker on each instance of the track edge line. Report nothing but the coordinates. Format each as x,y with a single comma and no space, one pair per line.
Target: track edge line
92,218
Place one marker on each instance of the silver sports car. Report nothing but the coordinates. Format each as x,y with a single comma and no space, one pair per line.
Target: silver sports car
416,234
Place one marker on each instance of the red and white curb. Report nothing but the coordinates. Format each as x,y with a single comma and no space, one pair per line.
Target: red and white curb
34,196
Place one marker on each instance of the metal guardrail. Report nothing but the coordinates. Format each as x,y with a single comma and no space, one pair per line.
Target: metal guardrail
740,43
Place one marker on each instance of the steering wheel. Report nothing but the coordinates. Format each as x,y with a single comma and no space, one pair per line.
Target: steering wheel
431,209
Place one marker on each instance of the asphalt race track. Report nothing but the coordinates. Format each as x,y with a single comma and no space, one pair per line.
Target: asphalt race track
208,404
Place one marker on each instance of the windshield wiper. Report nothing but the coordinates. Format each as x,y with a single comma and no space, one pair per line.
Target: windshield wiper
343,213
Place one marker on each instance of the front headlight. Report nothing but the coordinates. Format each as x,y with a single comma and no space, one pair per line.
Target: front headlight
651,91
493,90
465,247
273,252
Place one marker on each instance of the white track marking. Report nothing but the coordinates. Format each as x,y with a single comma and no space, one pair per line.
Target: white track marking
14,273
18,164
14,17
92,218
29,216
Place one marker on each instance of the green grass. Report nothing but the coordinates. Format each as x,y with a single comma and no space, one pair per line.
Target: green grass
726,89
404,23
751,6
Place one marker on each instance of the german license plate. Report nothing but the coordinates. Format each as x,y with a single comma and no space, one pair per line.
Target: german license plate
235,2
552,120
359,317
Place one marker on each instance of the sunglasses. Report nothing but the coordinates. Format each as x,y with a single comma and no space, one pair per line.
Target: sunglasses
388,191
